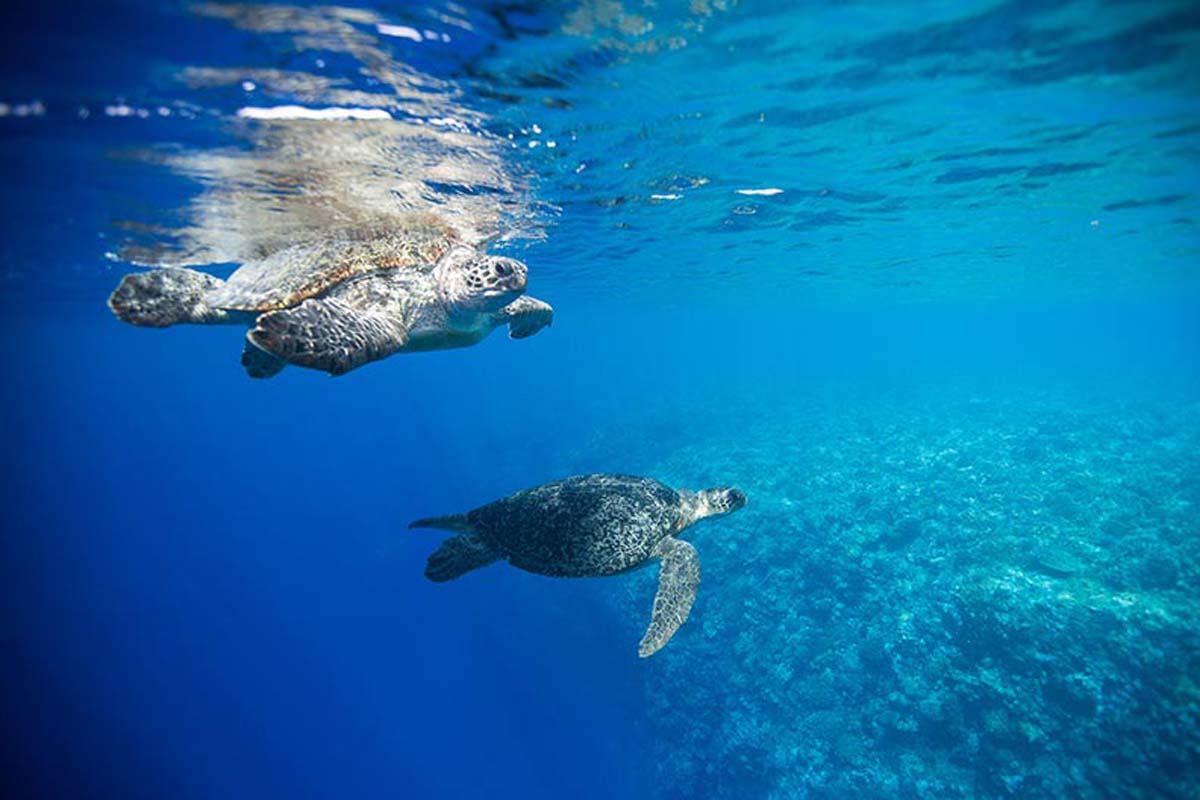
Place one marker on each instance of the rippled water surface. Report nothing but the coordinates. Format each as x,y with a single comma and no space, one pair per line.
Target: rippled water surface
920,278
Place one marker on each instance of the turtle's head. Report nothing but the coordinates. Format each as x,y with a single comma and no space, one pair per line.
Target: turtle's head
476,283
713,502
723,500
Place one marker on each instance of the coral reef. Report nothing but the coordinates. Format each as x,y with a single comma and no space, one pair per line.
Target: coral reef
947,598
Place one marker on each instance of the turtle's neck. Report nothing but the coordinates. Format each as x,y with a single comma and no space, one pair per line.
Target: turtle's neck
694,505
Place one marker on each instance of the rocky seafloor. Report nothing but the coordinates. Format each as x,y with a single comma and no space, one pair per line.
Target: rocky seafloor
934,596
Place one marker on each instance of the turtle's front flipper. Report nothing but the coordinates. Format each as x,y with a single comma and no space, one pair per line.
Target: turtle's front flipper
457,556
329,335
259,363
678,577
163,297
525,316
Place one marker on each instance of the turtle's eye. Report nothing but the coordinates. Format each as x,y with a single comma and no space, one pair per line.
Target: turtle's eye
503,270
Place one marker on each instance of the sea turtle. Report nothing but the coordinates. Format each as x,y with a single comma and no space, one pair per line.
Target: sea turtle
589,525
349,299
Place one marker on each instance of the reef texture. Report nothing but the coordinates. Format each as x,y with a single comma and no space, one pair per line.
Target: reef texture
947,598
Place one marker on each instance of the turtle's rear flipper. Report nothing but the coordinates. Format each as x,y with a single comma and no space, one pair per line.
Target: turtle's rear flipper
458,555
260,363
163,297
678,578
329,335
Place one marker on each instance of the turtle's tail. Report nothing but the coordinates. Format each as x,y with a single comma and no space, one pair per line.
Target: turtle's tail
163,297
454,522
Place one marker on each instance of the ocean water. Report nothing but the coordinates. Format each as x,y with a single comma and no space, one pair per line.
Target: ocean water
920,278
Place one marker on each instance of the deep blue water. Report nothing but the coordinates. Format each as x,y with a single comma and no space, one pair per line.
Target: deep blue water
921,280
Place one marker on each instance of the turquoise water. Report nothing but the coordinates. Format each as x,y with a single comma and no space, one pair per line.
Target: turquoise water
920,280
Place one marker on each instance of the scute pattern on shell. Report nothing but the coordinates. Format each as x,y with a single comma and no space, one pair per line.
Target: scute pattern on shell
294,274
589,525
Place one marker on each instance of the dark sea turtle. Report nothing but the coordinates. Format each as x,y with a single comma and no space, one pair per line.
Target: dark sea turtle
590,525
342,302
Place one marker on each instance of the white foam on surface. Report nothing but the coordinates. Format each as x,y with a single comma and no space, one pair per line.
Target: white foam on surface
301,112
400,31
